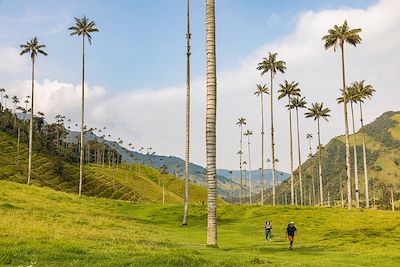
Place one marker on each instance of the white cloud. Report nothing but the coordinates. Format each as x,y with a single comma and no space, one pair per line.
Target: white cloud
155,117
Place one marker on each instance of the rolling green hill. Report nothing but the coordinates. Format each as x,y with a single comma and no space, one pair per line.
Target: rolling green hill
135,182
383,156
43,227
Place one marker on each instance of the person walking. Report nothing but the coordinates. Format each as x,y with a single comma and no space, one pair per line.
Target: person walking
290,230
268,231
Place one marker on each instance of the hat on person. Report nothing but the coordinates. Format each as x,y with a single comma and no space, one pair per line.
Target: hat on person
291,223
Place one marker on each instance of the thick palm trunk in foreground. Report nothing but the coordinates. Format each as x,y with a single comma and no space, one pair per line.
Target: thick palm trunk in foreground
291,155
211,114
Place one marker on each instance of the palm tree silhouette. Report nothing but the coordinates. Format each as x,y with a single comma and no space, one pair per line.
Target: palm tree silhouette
272,65
249,133
289,90
83,27
241,121
34,49
297,103
318,111
261,90
338,36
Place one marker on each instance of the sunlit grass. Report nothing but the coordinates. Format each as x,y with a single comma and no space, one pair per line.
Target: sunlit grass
59,229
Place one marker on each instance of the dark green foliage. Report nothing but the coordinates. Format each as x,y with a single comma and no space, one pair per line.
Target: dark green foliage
379,129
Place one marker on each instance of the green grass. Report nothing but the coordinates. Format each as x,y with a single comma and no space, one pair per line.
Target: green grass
138,183
51,228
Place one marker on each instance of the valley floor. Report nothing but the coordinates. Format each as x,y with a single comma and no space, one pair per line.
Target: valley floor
42,227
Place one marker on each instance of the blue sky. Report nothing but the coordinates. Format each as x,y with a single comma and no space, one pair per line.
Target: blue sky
136,66
141,43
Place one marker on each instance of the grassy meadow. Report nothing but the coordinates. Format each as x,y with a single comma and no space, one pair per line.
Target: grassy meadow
43,227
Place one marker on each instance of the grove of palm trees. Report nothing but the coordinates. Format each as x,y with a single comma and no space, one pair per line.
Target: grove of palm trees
81,183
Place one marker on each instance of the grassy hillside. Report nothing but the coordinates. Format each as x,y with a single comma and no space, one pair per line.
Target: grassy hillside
383,156
42,227
136,182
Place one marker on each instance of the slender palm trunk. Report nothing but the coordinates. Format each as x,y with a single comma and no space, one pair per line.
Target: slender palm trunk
291,155
299,156
364,159
211,115
262,150
392,198
346,127
313,188
321,192
341,195
250,182
187,143
272,140
355,159
82,117
31,123
18,140
240,164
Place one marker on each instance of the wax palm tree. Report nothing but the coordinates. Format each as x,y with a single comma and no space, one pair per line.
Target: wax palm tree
6,97
2,91
187,133
33,48
83,27
241,121
15,101
364,91
261,90
351,96
297,103
318,111
249,133
289,90
337,37
211,114
272,65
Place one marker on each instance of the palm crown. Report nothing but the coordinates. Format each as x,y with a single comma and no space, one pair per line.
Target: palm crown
318,111
339,35
288,89
83,27
297,102
362,91
33,47
241,121
271,64
248,133
261,89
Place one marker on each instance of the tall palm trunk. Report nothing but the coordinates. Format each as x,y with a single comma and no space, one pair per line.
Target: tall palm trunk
187,143
272,141
18,141
82,117
321,192
31,123
291,155
211,114
392,198
262,150
250,182
364,159
240,164
355,158
346,127
299,156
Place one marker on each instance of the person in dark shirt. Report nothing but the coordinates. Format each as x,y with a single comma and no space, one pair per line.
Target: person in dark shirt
290,230
268,231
